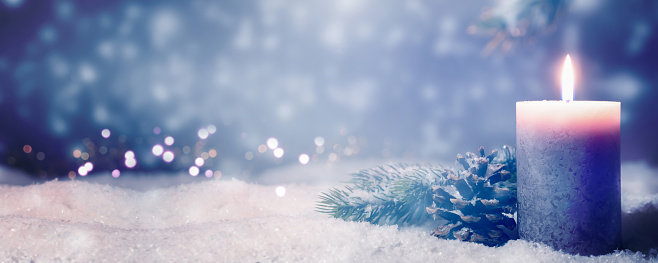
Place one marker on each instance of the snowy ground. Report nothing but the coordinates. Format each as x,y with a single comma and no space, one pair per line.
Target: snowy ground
177,219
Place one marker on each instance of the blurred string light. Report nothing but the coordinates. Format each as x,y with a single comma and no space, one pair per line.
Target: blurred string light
204,157
201,160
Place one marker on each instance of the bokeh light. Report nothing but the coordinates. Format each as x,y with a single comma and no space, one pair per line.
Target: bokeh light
212,153
319,141
27,149
157,150
212,129
194,171
303,158
129,155
105,133
169,140
89,166
116,173
249,156
76,153
130,163
262,148
198,161
202,133
209,173
82,171
280,191
333,157
168,156
278,152
272,143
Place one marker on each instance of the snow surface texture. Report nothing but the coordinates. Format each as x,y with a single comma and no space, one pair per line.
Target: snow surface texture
232,221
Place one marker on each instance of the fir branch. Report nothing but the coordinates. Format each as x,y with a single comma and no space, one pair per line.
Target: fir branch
399,193
390,194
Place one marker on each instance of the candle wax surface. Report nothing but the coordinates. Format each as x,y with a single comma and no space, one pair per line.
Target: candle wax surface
574,116
569,190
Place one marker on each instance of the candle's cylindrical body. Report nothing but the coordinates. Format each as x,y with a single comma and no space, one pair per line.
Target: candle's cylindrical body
568,175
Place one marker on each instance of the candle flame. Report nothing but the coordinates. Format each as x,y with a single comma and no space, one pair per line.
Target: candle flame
567,80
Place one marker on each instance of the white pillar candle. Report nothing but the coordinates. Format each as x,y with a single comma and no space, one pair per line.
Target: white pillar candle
568,173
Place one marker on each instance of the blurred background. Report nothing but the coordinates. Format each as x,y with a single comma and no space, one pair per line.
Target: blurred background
238,87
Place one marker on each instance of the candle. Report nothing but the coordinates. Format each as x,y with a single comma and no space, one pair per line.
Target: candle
568,172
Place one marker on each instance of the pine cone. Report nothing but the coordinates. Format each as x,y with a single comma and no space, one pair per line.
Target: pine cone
476,209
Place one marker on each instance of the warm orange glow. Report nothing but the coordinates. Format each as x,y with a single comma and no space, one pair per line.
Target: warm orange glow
567,80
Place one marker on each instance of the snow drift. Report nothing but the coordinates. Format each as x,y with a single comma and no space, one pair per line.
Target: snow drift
228,220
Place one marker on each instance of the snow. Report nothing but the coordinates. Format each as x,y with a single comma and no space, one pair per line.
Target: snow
166,218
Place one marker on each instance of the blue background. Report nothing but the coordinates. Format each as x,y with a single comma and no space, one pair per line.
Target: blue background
414,80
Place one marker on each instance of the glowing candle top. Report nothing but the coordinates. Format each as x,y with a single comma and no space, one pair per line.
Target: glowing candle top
582,117
567,80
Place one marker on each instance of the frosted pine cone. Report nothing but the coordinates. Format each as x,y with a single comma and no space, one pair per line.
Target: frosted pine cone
476,209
